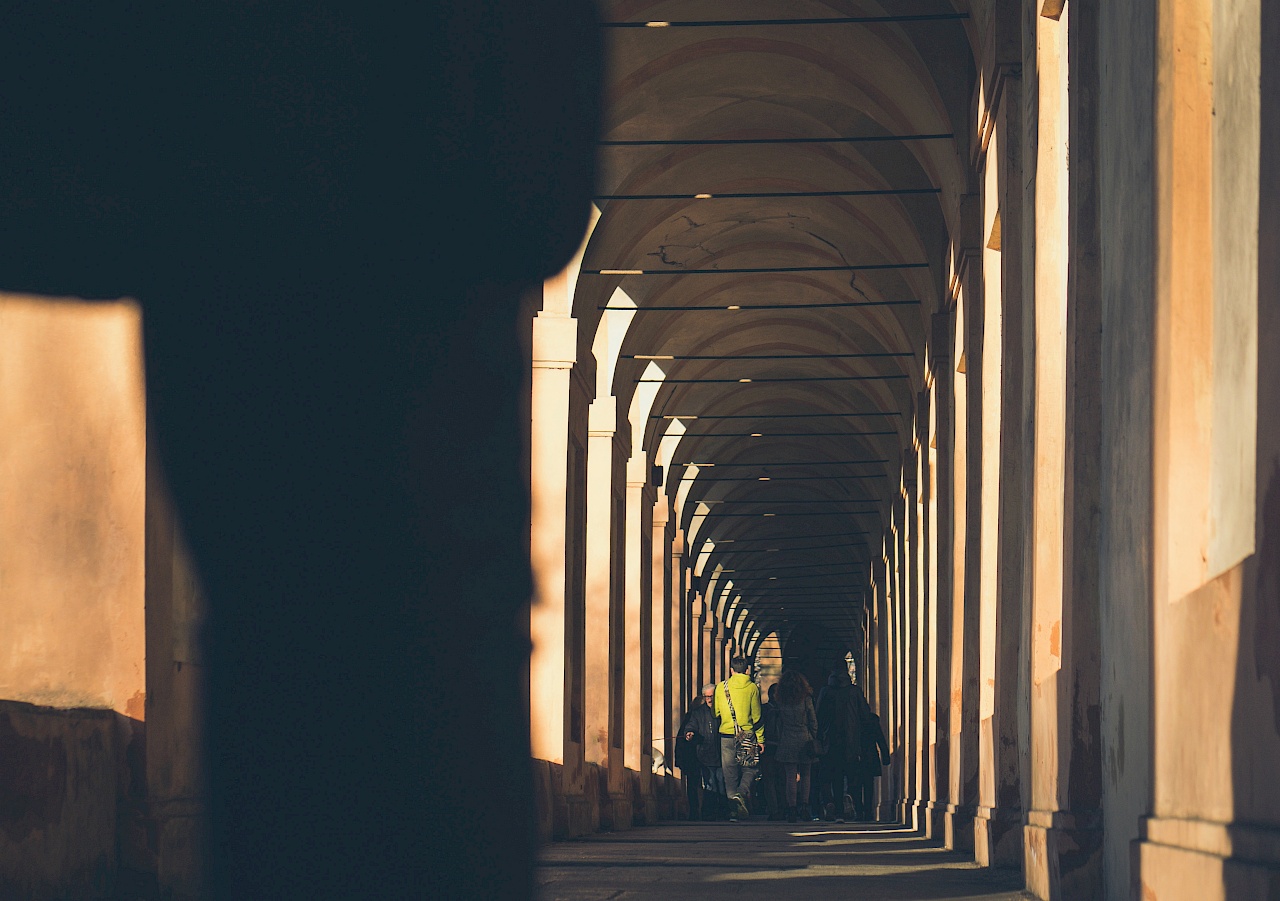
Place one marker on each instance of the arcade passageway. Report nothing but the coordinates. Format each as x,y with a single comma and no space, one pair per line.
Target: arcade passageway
400,422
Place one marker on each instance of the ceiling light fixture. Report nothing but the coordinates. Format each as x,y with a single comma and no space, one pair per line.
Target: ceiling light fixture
743,381
652,357
701,196
757,435
679,417
657,24
733,307
622,272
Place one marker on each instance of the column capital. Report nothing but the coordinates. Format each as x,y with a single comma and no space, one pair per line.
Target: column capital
602,417
638,470
555,342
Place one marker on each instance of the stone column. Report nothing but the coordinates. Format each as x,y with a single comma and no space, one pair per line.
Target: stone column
555,341
941,348
662,690
997,829
917,510
1062,851
604,614
925,424
967,536
904,513
677,625
637,753
177,769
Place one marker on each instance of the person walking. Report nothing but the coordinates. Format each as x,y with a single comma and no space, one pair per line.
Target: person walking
839,729
738,706
796,731
701,731
770,768
874,755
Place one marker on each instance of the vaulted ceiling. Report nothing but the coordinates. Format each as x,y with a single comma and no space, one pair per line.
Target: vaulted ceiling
788,307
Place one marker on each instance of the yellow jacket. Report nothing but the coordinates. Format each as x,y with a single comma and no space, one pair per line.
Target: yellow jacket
746,703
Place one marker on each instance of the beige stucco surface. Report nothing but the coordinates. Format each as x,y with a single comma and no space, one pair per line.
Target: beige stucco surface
72,471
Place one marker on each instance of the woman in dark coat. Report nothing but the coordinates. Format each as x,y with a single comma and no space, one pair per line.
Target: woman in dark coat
797,726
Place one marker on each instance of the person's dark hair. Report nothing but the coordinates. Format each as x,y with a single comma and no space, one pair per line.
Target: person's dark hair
793,688
738,664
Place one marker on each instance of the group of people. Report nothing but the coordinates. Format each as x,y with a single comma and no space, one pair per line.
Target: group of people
819,756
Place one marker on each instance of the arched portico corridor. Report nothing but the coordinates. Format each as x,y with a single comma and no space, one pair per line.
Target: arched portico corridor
402,422
691,861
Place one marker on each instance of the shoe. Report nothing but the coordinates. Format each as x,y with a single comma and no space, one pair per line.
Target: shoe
791,814
742,807
815,819
829,813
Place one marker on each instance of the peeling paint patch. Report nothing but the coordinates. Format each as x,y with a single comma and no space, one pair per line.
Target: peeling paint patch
136,707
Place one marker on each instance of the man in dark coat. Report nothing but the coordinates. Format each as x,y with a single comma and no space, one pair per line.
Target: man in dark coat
874,754
705,784
839,728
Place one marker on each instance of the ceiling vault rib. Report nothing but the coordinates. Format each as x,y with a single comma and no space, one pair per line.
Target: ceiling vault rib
787,463
762,306
793,478
720,142
765,195
700,416
855,356
755,381
817,20
862,267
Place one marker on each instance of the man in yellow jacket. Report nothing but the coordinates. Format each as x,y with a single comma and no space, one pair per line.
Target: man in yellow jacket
745,697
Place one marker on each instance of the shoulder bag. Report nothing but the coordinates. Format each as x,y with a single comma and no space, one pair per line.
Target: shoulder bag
746,751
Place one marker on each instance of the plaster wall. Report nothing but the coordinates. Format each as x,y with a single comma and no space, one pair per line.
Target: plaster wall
73,463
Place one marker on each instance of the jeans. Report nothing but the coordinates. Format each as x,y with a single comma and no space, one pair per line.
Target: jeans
713,779
737,779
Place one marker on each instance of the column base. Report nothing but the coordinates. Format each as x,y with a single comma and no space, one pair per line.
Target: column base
935,820
1179,860
579,818
1062,855
957,827
997,837
920,816
617,813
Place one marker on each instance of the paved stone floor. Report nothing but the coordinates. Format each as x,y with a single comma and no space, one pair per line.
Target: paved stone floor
767,862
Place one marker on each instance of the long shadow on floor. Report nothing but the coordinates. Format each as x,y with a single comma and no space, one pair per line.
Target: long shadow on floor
780,861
